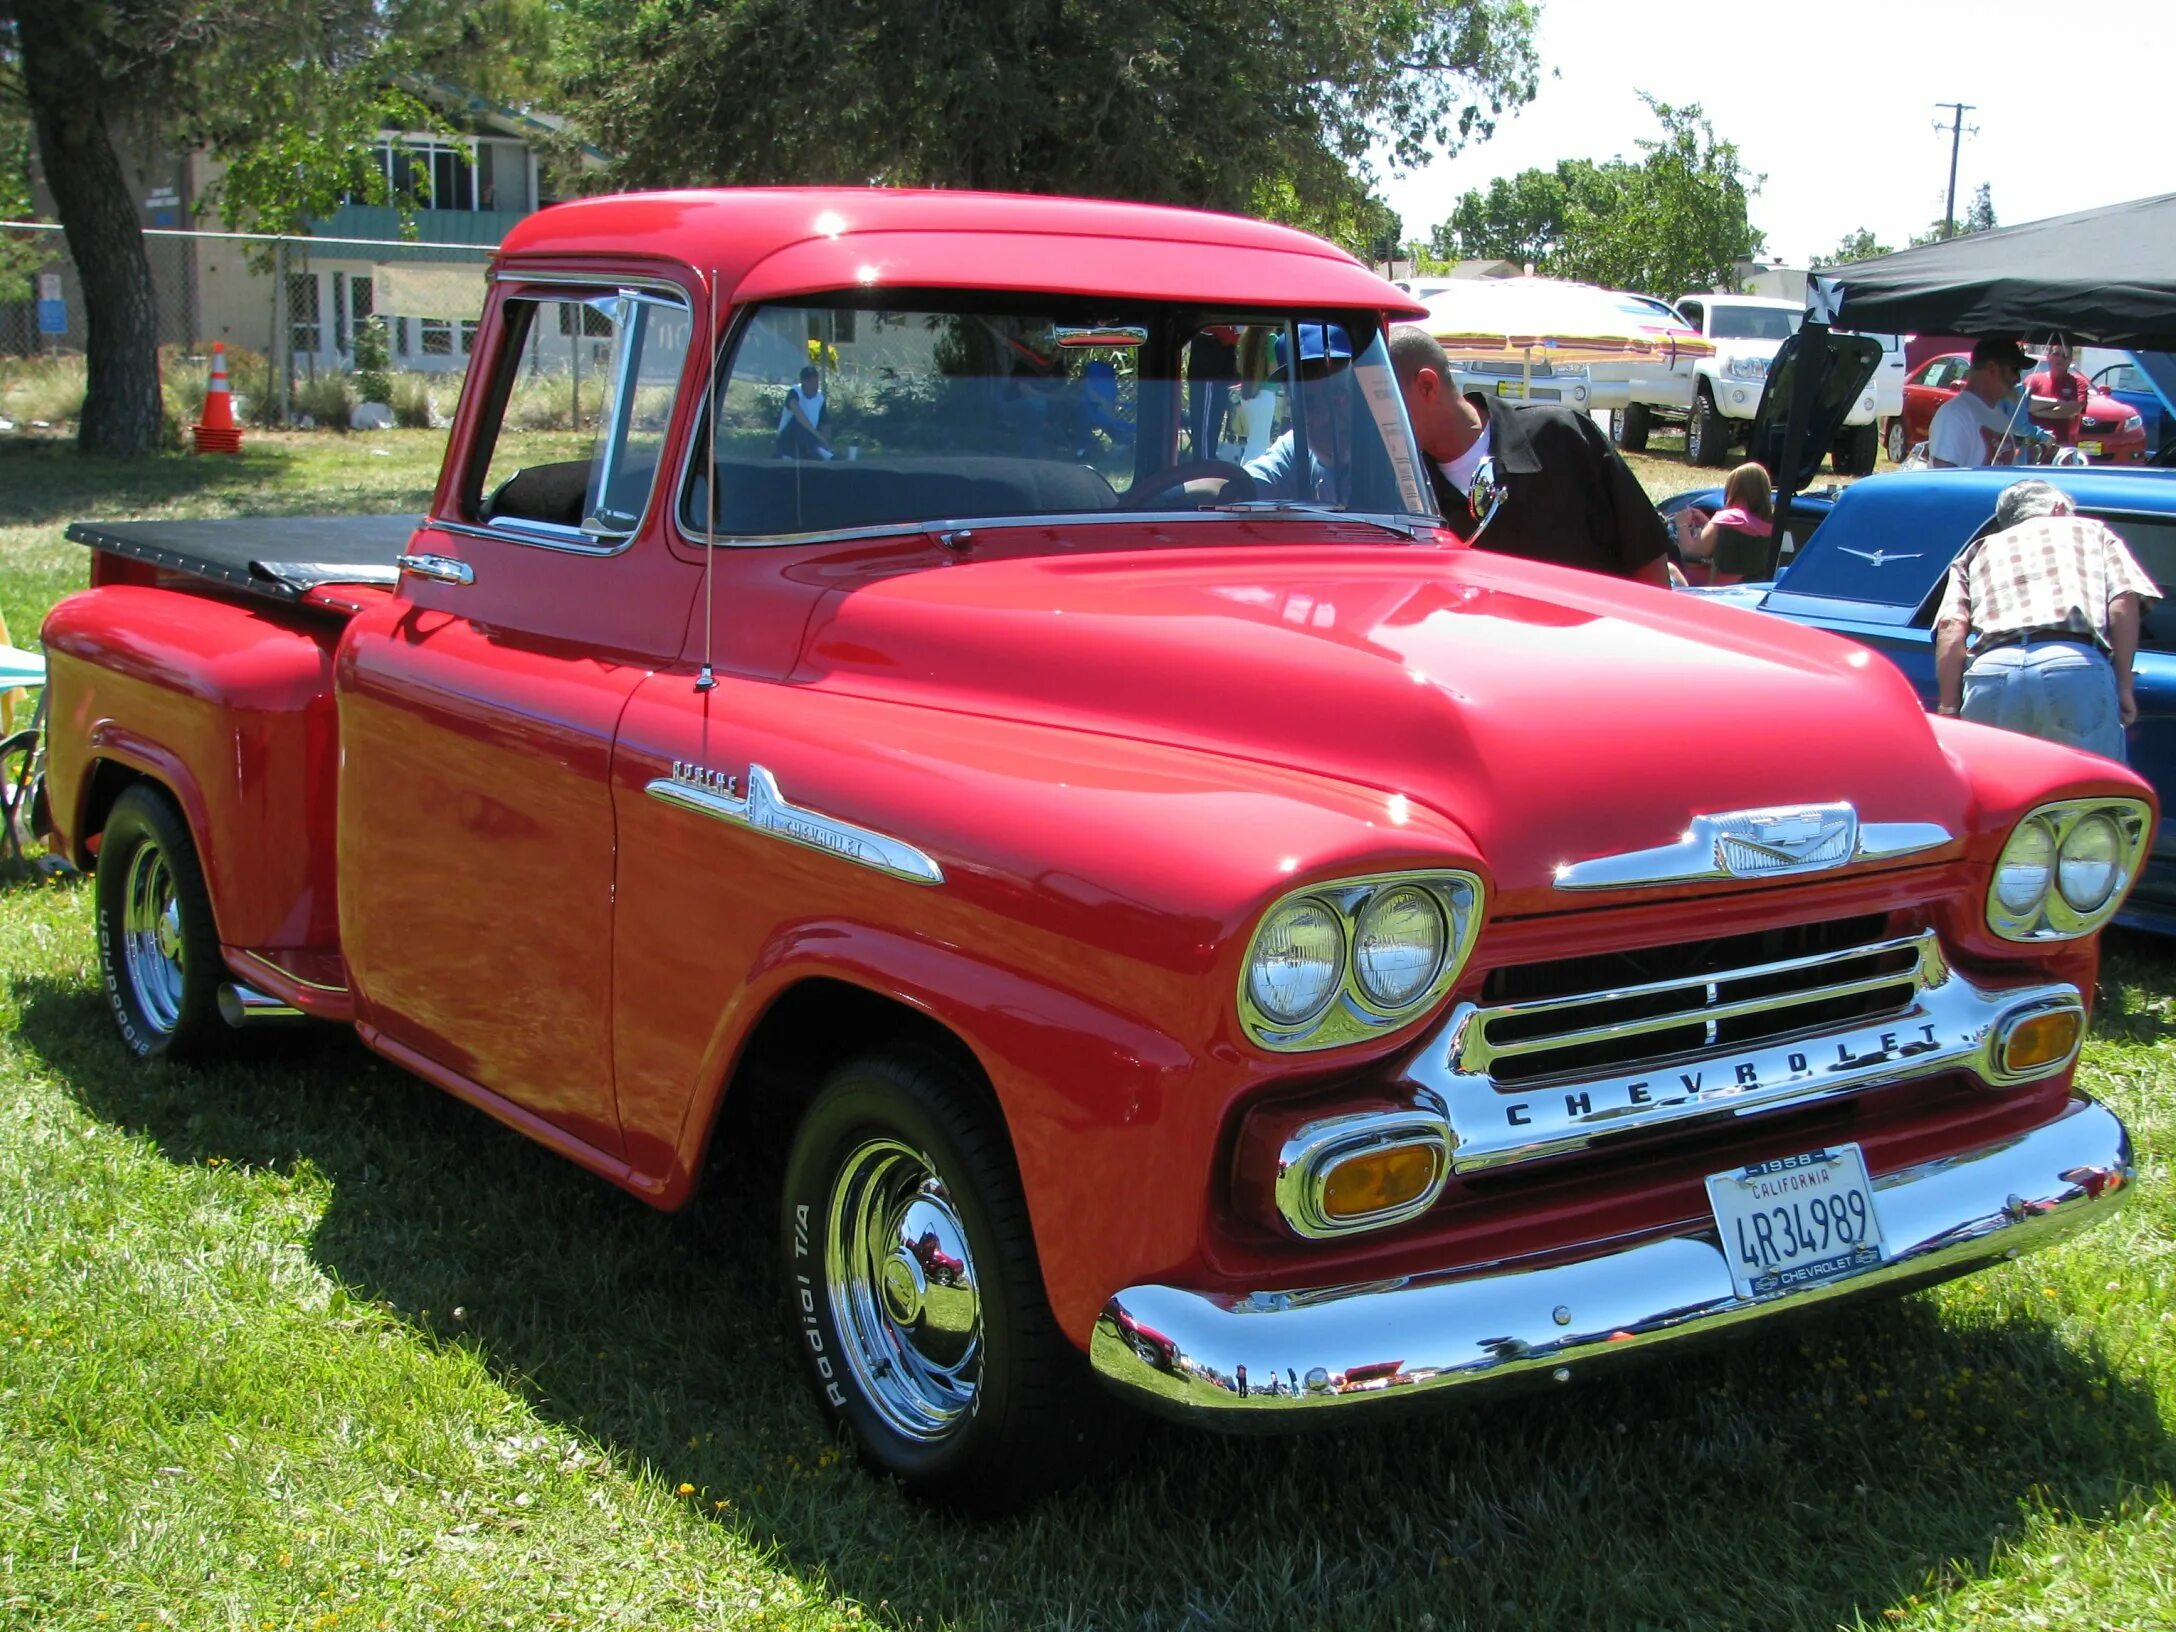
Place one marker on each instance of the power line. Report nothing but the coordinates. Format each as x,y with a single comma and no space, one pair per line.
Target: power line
1957,111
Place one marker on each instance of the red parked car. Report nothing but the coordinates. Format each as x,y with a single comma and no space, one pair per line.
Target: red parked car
2111,433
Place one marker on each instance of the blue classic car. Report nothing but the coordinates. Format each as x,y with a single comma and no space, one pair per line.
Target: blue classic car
1874,566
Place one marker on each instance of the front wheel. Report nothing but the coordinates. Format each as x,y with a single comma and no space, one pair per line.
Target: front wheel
1855,449
1705,441
1632,423
158,949
1897,447
913,1291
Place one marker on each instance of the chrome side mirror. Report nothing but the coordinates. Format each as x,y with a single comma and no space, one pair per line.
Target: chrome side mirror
1484,496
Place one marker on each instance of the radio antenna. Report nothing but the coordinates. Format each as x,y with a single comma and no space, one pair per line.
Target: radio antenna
706,678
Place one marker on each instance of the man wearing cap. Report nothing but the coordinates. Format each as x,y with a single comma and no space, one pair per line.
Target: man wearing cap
1323,396
1969,428
2053,600
1567,496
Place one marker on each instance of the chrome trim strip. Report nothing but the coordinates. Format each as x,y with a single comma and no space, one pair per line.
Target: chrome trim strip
1703,852
1370,1346
1947,1024
766,810
1304,1162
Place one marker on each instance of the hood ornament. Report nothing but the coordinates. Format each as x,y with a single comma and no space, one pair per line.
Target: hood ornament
1776,842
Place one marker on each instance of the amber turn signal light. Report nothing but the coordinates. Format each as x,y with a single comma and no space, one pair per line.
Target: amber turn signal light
1379,1181
2038,1041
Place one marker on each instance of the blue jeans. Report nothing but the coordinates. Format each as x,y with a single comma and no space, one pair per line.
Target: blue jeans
2057,689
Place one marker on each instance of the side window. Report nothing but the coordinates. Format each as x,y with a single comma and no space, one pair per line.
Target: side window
2153,546
588,382
1694,312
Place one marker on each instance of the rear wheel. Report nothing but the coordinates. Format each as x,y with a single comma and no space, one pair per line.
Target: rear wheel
158,950
1632,423
913,1291
1898,447
1706,442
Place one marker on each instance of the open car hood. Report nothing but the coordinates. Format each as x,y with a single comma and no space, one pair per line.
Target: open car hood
1846,363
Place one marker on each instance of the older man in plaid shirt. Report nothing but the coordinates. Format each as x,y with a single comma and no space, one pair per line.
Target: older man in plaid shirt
2053,601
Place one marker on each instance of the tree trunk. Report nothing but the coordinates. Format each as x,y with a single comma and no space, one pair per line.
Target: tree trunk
68,95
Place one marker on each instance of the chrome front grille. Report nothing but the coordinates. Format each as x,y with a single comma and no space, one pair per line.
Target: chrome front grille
1712,1001
1557,1056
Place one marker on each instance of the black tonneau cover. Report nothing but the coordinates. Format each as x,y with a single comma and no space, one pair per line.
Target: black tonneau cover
282,557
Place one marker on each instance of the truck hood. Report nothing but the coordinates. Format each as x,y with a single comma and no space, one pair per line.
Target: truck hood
1551,715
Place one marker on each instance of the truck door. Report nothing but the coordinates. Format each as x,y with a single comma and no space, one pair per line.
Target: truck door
477,713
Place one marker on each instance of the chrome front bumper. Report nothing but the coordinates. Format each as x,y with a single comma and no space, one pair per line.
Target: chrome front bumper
1245,1362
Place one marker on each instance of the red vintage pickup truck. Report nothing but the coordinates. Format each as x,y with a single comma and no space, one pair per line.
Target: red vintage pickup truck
1200,924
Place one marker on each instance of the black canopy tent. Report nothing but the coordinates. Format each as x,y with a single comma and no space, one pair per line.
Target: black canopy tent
2106,276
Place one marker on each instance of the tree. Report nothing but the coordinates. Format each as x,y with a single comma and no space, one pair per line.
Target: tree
1979,216
1263,105
1860,245
290,93
1674,219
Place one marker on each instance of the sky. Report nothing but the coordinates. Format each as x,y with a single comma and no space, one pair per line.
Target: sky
1835,103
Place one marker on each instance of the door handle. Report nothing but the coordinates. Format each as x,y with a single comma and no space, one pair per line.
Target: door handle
440,569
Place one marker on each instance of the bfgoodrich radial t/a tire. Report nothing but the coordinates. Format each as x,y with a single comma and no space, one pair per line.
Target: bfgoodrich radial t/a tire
913,1292
158,949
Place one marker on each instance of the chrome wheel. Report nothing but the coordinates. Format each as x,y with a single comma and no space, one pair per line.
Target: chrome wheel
151,943
904,1298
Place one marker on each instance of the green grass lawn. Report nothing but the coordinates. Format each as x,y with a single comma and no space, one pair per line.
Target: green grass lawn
303,1343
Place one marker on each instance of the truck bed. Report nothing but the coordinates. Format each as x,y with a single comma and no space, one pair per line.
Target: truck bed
280,557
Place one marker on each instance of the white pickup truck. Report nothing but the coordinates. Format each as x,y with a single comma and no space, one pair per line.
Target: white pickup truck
1715,397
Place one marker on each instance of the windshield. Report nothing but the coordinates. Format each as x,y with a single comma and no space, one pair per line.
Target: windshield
1752,323
833,418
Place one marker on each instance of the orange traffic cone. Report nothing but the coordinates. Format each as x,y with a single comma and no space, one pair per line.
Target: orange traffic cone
217,432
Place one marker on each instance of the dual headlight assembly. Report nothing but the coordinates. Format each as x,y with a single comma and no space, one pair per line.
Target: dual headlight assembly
2066,869
1353,958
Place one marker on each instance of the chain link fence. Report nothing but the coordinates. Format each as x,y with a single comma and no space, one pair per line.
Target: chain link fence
313,327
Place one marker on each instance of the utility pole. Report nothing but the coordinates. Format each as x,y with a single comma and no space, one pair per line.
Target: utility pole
1957,111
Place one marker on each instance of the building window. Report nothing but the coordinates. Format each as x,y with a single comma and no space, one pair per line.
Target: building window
440,334
305,328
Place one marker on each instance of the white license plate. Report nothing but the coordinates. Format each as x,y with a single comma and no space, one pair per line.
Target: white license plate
1796,1221
2089,447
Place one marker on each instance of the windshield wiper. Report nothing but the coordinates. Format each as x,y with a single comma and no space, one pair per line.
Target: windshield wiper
1299,507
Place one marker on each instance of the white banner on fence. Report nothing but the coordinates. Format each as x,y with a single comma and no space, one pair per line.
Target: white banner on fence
427,291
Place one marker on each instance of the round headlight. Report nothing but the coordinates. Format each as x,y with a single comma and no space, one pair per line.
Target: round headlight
1397,951
1299,958
2023,873
2089,865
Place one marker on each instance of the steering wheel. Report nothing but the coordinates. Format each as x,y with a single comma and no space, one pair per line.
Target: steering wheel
1238,482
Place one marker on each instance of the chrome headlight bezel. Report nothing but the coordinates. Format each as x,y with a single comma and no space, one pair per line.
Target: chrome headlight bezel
1352,1015
2050,917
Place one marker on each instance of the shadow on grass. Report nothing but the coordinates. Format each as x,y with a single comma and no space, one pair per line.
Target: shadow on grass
2134,966
1797,1478
49,482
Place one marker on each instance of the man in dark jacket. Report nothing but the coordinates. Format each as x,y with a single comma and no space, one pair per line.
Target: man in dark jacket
1567,496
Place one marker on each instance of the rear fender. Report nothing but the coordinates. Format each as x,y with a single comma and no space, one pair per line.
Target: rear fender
229,708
